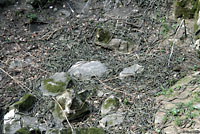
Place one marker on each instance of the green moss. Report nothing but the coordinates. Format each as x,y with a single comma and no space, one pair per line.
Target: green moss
84,131
58,110
103,36
25,103
54,86
22,131
111,102
185,8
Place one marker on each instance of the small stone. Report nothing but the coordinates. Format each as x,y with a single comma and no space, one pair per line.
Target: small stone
111,120
11,122
64,12
130,71
197,106
100,93
177,68
170,130
159,118
16,64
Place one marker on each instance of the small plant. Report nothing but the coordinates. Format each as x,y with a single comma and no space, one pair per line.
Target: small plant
126,102
182,113
164,28
32,17
177,121
157,130
181,59
195,97
174,111
167,92
195,68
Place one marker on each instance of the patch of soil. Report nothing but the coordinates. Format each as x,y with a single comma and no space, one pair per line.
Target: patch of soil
59,42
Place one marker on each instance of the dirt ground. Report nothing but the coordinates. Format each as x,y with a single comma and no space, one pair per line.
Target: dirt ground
54,42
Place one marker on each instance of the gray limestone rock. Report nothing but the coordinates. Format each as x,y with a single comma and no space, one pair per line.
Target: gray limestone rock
11,122
87,70
131,71
111,120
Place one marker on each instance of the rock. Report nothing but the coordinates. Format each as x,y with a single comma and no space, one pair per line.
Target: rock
56,84
104,39
20,124
100,93
121,45
130,71
64,12
111,120
11,122
77,131
4,3
122,12
110,104
170,130
196,46
1,119
185,8
159,118
197,24
25,130
26,103
87,70
37,3
72,106
17,65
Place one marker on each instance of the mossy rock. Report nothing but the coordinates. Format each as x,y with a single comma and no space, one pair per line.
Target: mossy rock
22,131
84,131
56,84
79,110
25,103
185,8
72,106
111,103
102,36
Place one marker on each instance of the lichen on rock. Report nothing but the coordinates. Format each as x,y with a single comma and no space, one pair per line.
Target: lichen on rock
103,36
72,106
56,84
109,104
25,103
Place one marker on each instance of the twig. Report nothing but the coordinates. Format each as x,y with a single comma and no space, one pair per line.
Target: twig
172,48
70,7
64,114
18,82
